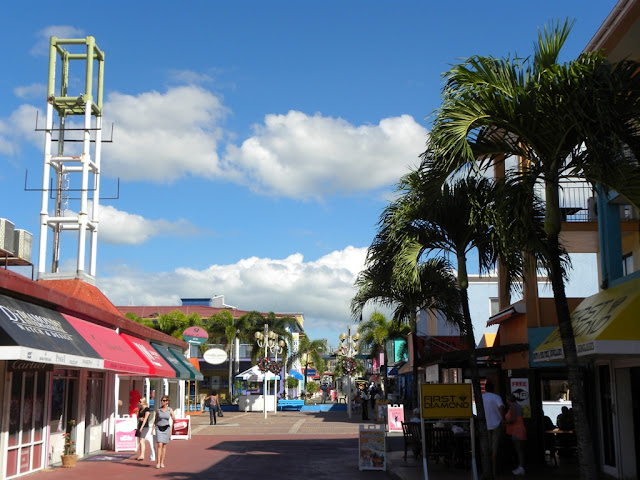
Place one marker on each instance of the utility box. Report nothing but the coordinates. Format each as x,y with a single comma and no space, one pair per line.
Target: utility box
6,235
22,243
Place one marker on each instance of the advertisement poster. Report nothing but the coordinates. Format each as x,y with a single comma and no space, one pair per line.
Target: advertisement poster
181,429
125,437
372,450
381,411
395,416
520,388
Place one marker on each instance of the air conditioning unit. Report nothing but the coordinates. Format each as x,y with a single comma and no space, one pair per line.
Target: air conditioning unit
22,241
628,213
6,235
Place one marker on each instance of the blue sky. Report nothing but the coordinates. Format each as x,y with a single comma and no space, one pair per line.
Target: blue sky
256,142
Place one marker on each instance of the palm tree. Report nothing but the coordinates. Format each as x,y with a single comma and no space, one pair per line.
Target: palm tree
564,120
431,218
223,327
375,333
383,283
310,352
176,322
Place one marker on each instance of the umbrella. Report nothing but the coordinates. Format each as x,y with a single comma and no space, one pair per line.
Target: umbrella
255,375
296,374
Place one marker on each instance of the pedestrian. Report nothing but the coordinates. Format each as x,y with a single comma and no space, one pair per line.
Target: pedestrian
494,415
372,395
162,430
143,430
213,406
324,389
517,430
365,405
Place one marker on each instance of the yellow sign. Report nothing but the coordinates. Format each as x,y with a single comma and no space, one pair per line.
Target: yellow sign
604,323
446,400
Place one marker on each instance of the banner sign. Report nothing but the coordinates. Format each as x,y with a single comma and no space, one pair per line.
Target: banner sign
446,400
395,417
181,429
372,451
520,388
125,437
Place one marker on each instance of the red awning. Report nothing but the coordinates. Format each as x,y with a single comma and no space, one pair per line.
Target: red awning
158,367
117,355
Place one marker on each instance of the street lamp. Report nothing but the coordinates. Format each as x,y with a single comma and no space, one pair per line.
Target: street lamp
269,340
349,349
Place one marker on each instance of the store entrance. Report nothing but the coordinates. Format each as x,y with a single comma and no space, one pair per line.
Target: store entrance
26,440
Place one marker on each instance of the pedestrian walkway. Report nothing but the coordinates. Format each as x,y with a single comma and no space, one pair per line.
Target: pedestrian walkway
312,445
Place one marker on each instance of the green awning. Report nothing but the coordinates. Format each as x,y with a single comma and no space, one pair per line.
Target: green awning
181,371
194,373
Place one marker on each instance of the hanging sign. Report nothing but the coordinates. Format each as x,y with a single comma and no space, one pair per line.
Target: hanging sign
372,449
195,335
215,356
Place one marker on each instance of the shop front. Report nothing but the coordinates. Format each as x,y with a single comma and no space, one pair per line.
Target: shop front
607,335
41,358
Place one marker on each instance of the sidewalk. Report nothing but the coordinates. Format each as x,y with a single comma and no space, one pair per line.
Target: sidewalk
313,445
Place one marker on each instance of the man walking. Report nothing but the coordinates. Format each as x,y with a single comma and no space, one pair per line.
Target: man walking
494,414
365,405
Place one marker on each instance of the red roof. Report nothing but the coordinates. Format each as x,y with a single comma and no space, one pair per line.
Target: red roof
82,291
202,310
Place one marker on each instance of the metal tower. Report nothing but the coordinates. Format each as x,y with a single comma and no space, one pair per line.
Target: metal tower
69,170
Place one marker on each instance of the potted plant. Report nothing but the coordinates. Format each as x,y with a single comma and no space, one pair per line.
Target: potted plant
69,456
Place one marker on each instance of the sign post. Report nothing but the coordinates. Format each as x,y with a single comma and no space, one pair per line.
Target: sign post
446,400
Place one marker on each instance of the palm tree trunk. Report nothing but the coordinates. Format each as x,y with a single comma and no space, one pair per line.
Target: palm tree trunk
485,448
414,343
586,458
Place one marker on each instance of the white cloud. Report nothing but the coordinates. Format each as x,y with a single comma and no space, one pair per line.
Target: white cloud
34,90
7,145
161,137
61,31
321,289
301,156
122,228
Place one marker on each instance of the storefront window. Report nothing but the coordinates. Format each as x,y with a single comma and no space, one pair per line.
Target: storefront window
26,422
95,383
63,398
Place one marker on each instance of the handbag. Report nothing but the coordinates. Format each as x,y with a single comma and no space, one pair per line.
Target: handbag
207,402
162,428
220,414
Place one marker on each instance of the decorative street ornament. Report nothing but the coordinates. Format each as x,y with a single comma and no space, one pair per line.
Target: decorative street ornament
276,367
264,364
349,365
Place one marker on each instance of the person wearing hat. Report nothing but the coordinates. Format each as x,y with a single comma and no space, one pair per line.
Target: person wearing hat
416,416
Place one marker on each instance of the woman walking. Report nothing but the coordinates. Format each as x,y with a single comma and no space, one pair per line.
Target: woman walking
517,430
162,428
142,433
213,407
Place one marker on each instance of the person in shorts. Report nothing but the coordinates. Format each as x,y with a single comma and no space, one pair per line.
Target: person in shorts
494,415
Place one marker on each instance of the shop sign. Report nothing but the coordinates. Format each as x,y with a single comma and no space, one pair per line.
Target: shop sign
215,356
125,436
372,450
446,400
26,366
181,429
395,417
